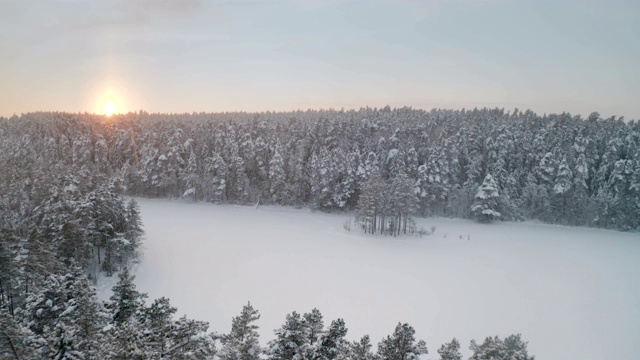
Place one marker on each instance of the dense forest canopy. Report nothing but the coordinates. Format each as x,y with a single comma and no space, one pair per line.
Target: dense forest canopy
555,168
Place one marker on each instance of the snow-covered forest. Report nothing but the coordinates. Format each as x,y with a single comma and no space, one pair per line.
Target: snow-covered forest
64,221
554,168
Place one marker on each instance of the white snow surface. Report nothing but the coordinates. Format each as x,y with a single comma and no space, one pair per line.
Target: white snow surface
573,293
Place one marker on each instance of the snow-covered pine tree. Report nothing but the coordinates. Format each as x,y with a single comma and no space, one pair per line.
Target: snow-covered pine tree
494,348
485,205
18,342
155,323
402,345
332,342
403,202
450,351
358,350
216,172
369,206
189,340
190,177
314,331
242,342
277,177
126,300
562,186
290,339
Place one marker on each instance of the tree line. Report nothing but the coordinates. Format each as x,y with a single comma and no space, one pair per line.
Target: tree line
63,320
554,168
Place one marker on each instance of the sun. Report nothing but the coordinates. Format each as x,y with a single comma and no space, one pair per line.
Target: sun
109,108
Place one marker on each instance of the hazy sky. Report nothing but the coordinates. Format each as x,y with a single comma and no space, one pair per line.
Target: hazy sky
183,56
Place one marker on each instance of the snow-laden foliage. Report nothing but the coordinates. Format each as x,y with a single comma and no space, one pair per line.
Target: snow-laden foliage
554,168
450,351
494,348
485,205
402,345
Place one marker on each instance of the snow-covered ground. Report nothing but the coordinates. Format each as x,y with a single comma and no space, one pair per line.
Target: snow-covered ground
573,293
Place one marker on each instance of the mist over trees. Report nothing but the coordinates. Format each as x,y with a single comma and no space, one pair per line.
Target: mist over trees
554,168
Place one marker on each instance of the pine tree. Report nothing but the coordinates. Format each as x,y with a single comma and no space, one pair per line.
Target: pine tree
493,348
123,342
191,178
562,187
126,300
156,325
369,206
314,324
485,205
450,351
403,202
65,346
563,179
277,176
18,342
402,345
290,339
333,341
216,171
242,342
358,350
190,341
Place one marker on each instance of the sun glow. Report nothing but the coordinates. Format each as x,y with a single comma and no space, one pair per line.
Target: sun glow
109,108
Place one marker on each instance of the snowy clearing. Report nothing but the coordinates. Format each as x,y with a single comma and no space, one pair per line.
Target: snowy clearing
573,293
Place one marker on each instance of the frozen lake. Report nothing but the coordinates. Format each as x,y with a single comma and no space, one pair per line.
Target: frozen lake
573,293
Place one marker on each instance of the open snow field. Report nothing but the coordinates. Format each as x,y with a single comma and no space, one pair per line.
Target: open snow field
573,293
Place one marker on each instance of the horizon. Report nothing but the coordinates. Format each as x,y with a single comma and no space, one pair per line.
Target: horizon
280,56
378,108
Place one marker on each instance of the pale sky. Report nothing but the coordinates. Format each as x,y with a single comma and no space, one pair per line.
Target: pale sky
550,56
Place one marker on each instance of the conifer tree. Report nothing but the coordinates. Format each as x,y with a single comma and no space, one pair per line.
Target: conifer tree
277,176
494,348
450,351
358,350
290,339
242,342
126,300
402,345
369,206
332,341
485,205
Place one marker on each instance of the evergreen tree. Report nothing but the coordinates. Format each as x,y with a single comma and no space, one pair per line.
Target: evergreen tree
242,342
370,204
402,202
358,350
485,205
190,341
126,300
333,341
290,339
450,351
562,186
191,178
402,345
18,342
277,177
156,324
493,348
